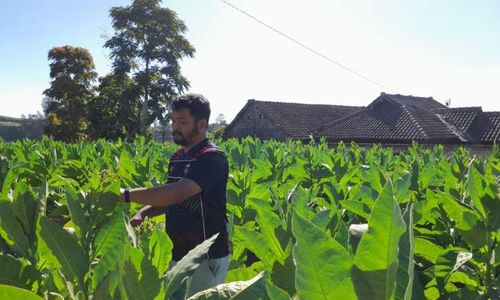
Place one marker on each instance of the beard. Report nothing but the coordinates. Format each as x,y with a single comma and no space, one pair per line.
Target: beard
183,140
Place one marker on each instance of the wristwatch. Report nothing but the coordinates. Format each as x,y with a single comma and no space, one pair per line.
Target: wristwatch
126,193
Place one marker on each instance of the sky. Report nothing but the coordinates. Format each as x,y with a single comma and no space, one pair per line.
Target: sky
447,49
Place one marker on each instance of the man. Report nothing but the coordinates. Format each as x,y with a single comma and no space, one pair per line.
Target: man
194,198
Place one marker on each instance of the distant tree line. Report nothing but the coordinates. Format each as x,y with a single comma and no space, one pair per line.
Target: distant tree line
27,127
146,48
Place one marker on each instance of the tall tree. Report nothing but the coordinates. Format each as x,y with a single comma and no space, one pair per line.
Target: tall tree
149,43
115,111
72,74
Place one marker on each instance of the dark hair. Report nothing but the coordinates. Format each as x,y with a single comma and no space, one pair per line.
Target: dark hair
196,103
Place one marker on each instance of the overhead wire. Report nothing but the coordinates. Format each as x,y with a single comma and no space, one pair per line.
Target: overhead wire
306,46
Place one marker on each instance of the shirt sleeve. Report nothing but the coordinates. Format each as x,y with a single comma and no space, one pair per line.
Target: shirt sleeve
208,170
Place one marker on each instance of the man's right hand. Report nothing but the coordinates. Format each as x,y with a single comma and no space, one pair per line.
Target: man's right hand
146,211
136,220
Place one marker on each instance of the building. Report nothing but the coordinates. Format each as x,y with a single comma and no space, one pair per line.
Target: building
392,120
278,120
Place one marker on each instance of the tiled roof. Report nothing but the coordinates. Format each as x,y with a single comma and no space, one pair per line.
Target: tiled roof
395,119
491,134
477,126
301,120
408,101
469,120
388,119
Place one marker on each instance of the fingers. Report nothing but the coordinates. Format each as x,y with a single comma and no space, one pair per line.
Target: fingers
135,221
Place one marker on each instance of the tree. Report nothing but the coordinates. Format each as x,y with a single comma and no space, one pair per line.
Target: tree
216,130
220,120
148,44
115,111
72,74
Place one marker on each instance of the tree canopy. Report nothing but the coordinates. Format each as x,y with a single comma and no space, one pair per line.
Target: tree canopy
146,49
148,45
72,74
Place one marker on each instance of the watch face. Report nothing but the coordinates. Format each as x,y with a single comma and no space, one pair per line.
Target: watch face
186,169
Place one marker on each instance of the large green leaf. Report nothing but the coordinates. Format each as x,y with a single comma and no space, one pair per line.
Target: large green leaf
141,279
111,234
376,260
299,197
357,208
468,222
251,289
16,272
65,249
475,189
160,250
15,293
448,262
186,266
126,168
275,293
283,275
105,288
257,243
244,273
373,176
24,207
322,265
41,204
109,262
11,230
262,169
427,249
492,206
132,283
268,222
74,200
406,265
7,182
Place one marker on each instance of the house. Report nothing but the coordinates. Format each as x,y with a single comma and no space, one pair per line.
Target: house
400,120
392,120
279,120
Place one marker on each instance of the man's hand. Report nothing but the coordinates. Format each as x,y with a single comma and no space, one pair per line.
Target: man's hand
137,220
146,212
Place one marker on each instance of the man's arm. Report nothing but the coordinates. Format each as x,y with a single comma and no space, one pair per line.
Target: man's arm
172,193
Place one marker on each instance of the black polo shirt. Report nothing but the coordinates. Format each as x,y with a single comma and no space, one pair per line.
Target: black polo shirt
191,222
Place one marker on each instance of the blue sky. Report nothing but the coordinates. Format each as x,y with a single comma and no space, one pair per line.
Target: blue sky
441,48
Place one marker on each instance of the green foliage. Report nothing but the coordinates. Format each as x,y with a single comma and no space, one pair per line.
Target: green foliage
14,293
375,275
115,112
148,44
186,267
146,49
254,288
323,265
72,73
320,223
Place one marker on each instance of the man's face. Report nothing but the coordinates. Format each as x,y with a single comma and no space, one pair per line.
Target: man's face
184,127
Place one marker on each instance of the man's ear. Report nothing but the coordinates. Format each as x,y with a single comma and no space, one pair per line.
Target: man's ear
204,124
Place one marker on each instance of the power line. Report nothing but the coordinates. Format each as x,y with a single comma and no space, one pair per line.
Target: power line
307,47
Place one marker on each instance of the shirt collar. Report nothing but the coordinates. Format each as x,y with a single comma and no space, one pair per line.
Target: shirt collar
197,147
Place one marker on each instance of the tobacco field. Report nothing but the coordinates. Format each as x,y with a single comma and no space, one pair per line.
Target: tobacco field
306,222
